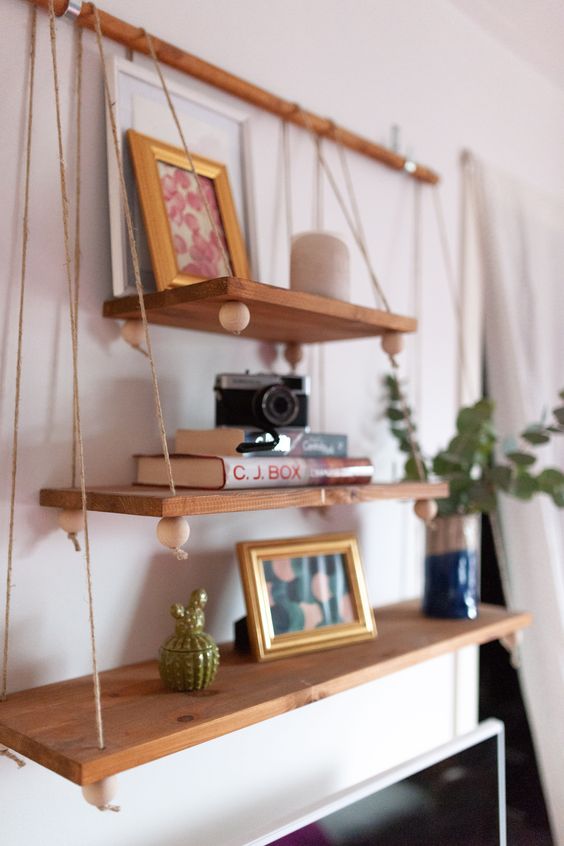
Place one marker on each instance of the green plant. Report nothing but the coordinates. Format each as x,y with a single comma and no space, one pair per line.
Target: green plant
468,462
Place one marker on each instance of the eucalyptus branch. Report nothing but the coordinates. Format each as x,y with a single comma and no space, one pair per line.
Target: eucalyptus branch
468,461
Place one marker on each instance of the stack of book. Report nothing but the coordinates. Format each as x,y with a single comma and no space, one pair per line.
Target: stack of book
208,458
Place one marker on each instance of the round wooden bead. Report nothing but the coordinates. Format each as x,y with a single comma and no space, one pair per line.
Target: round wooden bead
426,509
71,522
392,343
100,793
234,317
133,332
173,531
293,353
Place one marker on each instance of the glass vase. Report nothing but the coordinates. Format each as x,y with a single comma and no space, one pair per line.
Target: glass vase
452,567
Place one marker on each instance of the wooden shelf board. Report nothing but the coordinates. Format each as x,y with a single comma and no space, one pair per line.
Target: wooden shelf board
277,314
158,502
54,725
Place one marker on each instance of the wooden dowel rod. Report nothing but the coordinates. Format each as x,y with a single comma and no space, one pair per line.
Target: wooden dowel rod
134,38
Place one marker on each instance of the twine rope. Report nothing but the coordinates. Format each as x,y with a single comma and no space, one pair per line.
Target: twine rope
77,194
19,354
361,237
287,183
417,288
203,197
76,393
358,234
7,753
133,251
317,212
454,294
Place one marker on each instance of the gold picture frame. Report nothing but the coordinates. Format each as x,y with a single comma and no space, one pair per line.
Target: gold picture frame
304,594
182,242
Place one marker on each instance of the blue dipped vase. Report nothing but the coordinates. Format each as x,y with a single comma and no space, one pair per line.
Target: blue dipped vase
452,567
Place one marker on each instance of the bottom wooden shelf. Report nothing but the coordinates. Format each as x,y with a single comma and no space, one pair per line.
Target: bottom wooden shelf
54,725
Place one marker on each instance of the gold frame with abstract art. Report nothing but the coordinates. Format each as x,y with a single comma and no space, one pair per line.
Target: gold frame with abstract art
304,594
173,227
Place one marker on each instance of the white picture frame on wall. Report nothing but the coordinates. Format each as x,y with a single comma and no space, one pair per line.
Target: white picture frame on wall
212,129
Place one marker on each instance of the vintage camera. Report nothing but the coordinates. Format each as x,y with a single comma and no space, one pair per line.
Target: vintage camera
263,400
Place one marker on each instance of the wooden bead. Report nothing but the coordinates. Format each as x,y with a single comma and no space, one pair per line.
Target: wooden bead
392,343
133,332
100,793
293,353
426,509
71,522
234,316
173,532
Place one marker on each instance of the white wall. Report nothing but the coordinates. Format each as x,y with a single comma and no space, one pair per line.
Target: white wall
368,65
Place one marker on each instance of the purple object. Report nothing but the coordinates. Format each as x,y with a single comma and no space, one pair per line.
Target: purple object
310,835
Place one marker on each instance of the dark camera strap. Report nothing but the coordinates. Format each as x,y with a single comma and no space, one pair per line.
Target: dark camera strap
265,446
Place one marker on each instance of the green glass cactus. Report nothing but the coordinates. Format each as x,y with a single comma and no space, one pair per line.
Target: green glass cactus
189,659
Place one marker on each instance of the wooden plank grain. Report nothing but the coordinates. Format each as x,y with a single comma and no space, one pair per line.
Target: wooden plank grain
277,314
54,724
158,502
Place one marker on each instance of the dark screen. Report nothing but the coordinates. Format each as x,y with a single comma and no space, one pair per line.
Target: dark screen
452,803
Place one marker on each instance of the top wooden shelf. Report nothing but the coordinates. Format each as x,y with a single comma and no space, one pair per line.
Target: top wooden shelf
277,314
54,725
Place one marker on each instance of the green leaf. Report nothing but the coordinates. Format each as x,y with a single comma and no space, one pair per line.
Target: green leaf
468,420
561,394
535,434
482,497
411,471
393,388
394,414
550,480
524,486
463,447
558,497
485,407
501,476
445,464
559,414
522,459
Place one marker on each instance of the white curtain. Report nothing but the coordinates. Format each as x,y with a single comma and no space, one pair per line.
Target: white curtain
522,248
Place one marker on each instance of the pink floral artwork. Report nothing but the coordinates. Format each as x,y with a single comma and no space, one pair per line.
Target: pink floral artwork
195,242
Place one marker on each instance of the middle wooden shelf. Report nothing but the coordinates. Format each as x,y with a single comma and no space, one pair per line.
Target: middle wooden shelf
158,502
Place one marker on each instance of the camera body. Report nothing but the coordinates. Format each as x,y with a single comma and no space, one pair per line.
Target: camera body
262,400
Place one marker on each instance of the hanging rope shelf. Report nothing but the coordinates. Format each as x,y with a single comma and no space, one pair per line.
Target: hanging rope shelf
264,312
278,314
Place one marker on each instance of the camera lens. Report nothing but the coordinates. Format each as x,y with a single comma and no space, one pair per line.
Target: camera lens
277,405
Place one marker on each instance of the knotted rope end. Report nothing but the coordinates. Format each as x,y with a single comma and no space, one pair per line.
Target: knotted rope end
180,553
7,753
73,537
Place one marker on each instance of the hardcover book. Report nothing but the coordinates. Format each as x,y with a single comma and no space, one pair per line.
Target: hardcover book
225,440
215,472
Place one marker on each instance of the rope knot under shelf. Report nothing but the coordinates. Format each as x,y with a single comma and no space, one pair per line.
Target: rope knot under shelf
7,753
